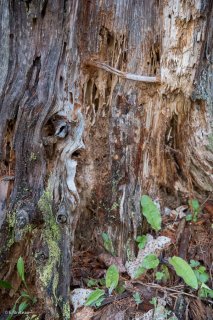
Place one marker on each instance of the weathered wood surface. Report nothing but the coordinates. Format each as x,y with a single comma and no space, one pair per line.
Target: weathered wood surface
79,145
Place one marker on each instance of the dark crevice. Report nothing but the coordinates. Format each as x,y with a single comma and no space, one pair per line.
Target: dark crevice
43,10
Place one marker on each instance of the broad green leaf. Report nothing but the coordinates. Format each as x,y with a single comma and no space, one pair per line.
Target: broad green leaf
150,261
142,241
183,270
93,297
23,306
5,284
151,212
20,268
137,298
108,245
194,263
112,277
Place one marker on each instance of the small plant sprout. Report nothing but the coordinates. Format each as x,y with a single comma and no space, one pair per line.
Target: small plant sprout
142,241
25,299
194,209
137,298
154,302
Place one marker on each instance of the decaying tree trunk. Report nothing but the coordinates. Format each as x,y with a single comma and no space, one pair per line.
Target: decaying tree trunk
101,102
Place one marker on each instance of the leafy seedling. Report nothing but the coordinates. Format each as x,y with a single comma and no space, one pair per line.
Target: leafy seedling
163,274
108,245
201,274
25,299
142,241
195,210
154,302
194,263
137,298
112,278
205,291
184,270
151,212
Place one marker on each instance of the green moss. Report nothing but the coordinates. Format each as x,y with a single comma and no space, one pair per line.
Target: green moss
11,225
48,273
66,311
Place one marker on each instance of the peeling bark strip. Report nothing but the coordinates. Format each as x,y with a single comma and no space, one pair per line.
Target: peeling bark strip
124,75
78,147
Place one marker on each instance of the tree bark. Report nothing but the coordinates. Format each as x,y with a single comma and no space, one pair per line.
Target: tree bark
101,102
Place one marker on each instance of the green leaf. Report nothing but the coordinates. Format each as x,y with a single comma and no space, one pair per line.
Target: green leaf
112,277
202,277
137,298
93,297
102,282
202,269
20,268
205,291
150,261
23,306
24,294
5,284
194,204
154,301
92,283
189,217
151,212
108,245
120,289
194,263
142,241
99,302
159,276
183,270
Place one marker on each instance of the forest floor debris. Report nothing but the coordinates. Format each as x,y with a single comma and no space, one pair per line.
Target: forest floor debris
158,293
